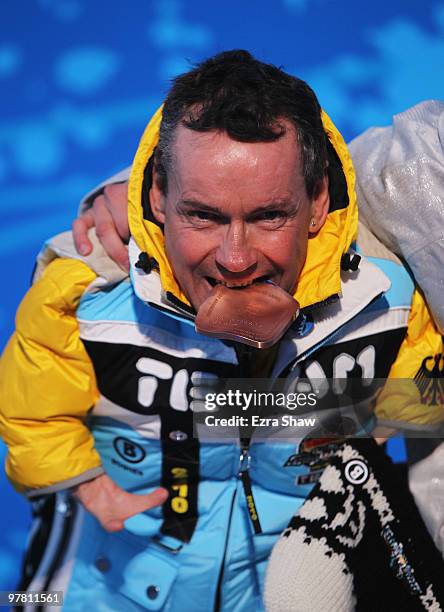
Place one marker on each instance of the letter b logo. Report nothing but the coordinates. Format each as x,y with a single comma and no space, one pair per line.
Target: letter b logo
128,450
356,472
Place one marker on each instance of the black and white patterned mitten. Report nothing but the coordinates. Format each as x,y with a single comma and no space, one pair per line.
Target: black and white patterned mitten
357,543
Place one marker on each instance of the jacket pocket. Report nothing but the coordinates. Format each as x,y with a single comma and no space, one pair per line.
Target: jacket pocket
137,569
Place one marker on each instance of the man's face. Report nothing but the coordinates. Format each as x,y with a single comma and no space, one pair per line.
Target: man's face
236,213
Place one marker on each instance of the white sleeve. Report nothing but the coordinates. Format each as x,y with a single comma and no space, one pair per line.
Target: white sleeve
400,189
120,177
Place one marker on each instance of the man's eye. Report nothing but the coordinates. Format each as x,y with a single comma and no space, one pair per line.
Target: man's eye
201,215
272,215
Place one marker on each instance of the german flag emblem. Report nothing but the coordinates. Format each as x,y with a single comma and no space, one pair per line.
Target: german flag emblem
430,380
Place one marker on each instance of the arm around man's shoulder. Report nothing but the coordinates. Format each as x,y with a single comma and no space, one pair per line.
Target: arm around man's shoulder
47,386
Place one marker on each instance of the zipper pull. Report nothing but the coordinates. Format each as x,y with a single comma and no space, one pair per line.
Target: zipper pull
244,475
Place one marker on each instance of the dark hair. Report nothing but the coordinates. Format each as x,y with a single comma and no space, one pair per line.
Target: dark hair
245,98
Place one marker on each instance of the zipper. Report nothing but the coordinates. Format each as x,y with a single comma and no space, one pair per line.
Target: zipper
330,300
183,309
245,355
243,475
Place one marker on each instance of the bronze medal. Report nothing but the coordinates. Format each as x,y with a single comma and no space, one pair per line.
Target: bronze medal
258,315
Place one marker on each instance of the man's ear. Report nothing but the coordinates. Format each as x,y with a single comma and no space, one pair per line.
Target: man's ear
320,205
157,199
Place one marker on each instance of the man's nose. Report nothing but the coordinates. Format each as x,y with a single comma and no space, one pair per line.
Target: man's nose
236,255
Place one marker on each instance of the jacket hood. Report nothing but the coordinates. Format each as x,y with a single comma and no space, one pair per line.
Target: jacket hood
320,276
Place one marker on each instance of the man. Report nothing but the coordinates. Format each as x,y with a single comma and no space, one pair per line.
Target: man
242,182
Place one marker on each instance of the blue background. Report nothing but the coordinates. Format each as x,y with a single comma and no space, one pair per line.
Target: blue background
80,78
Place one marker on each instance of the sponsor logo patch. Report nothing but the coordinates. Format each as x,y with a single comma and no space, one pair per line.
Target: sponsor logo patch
129,450
356,471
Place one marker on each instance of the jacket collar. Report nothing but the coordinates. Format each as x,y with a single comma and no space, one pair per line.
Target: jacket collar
358,290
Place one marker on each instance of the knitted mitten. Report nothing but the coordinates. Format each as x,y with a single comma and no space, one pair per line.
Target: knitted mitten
357,543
